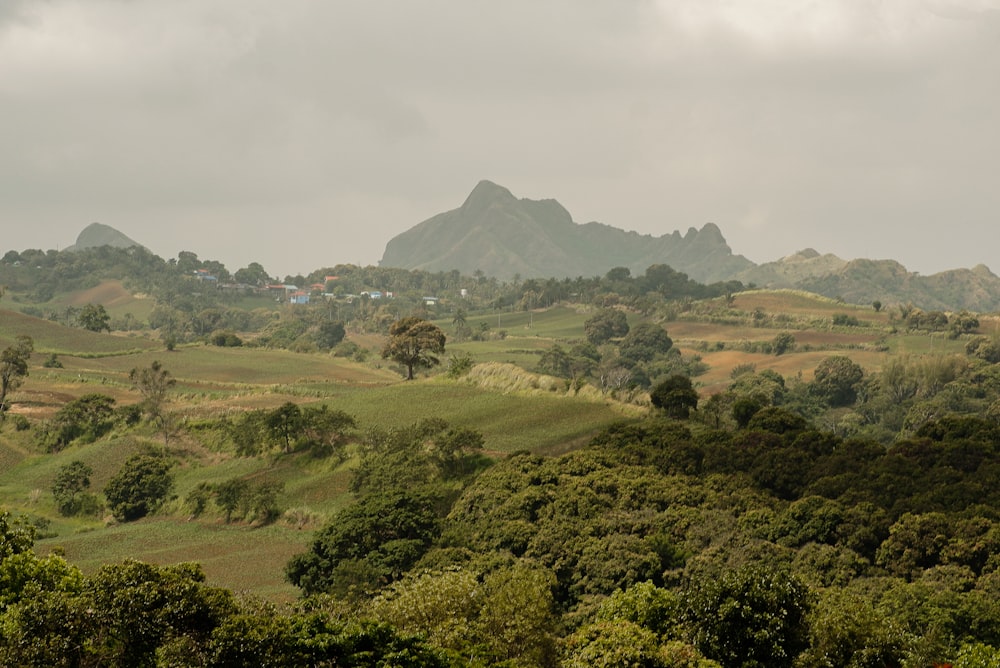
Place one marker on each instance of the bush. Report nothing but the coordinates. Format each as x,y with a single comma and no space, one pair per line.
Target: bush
52,362
226,340
20,422
459,365
140,487
844,320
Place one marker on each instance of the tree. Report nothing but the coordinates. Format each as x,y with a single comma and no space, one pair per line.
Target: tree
644,342
782,343
284,424
229,495
325,431
140,487
329,334
87,418
368,544
605,325
748,617
141,607
94,317
462,329
676,395
153,384
252,274
555,362
836,380
70,482
14,368
414,343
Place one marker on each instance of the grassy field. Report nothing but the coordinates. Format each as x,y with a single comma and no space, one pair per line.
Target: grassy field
242,559
50,337
514,410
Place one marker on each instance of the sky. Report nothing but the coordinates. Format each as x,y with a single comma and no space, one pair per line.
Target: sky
305,133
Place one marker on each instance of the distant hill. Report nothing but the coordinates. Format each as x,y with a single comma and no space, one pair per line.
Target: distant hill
98,234
863,281
789,271
501,235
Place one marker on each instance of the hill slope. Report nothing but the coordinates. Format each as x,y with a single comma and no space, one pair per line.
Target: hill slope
502,235
98,234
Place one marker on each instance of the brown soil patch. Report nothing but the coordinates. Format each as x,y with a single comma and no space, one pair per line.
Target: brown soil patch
108,293
702,331
791,365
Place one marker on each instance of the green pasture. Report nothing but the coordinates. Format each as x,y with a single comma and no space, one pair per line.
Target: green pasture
508,422
219,367
241,558
558,322
50,337
27,484
521,351
925,344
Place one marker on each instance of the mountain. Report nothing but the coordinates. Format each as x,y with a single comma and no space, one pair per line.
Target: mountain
501,235
98,234
863,281
789,271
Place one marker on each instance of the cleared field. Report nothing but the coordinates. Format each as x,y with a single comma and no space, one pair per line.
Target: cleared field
113,296
795,302
789,365
682,331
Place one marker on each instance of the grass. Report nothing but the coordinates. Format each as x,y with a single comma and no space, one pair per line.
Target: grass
557,322
50,337
237,557
508,422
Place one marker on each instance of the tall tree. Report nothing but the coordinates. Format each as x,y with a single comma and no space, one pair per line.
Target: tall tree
414,342
95,318
14,367
605,325
676,396
153,384
70,482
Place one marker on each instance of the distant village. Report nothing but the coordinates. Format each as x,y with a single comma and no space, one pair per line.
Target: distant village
294,294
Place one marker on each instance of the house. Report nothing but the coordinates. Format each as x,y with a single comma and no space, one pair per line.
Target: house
431,301
205,275
299,297
281,291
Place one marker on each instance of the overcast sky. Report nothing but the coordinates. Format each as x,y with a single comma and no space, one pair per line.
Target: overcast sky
306,133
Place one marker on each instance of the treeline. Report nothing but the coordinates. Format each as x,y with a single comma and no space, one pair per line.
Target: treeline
218,311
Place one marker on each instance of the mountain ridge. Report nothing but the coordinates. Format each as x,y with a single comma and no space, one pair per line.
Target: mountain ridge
495,232
503,236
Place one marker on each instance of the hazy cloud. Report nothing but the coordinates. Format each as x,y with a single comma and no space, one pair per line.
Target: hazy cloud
305,133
